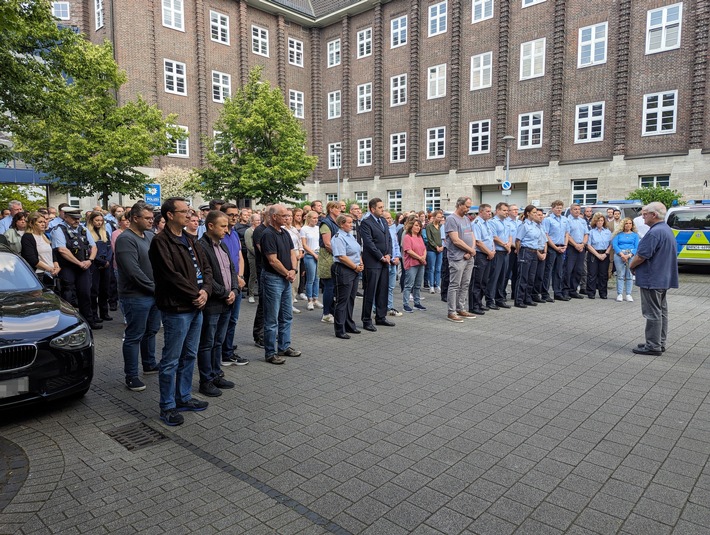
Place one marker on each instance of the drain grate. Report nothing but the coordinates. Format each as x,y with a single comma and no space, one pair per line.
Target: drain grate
136,436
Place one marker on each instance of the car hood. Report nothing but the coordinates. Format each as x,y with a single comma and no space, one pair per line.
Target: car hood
33,315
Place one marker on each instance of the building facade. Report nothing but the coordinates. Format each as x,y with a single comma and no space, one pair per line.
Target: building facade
411,100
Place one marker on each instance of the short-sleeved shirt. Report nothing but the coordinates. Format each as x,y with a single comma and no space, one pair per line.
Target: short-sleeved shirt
483,233
660,269
344,244
462,226
256,237
276,242
501,230
311,235
529,234
599,239
60,240
578,228
556,228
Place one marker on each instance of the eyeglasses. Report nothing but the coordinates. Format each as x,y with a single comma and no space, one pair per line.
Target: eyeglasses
181,211
232,215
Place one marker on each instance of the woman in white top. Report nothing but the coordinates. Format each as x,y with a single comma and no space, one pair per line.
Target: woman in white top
309,239
296,239
37,250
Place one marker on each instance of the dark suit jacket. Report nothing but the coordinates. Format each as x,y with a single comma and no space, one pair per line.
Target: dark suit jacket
376,242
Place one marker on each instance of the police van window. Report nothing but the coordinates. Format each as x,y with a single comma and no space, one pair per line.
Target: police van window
695,219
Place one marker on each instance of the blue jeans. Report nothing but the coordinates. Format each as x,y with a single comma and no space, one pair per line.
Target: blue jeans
392,282
624,279
209,352
275,291
433,267
142,324
328,296
228,346
312,280
181,332
413,283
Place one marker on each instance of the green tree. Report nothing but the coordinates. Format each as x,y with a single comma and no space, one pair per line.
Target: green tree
175,181
657,194
31,200
260,152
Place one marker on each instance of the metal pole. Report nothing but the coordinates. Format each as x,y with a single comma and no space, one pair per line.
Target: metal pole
507,161
338,171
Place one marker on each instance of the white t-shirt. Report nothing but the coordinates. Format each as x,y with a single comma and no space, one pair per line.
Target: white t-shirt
312,235
44,250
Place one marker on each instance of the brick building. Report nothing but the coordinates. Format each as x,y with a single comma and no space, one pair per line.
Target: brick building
411,101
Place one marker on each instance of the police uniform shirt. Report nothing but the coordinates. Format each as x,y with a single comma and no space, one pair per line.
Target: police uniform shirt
344,244
556,228
501,230
528,234
482,231
578,228
59,238
599,239
542,240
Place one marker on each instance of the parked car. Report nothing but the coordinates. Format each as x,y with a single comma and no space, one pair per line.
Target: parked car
630,209
46,346
691,226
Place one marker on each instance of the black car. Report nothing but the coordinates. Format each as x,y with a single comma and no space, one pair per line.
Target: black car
46,346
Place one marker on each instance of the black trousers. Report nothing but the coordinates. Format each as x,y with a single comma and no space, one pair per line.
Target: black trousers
554,273
538,284
479,282
597,275
76,288
444,275
112,288
498,278
512,273
100,283
527,268
574,271
345,280
258,328
375,293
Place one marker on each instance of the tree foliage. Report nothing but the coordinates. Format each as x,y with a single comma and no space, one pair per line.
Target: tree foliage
175,181
30,199
658,194
260,151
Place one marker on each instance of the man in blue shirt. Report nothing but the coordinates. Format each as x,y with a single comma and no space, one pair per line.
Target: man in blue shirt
656,268
503,239
234,245
513,224
485,253
578,236
14,207
557,228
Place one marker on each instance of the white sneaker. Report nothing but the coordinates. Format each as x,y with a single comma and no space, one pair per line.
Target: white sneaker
310,306
328,318
619,298
302,297
318,304
629,299
432,290
295,310
438,289
251,299
394,312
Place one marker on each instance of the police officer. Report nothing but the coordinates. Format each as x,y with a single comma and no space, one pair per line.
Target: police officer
576,251
76,251
503,238
485,252
527,244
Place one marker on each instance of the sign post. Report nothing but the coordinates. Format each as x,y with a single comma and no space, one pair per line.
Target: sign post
506,187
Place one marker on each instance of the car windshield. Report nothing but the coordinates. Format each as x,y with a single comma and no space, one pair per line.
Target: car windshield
15,276
690,219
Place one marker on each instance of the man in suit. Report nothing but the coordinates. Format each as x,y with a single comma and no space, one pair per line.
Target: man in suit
376,247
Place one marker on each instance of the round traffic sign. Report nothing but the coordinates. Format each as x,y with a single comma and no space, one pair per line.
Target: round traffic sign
506,185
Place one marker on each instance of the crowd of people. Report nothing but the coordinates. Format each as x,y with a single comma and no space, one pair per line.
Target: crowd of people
188,271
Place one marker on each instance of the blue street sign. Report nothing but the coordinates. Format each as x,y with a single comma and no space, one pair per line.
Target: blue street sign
506,185
152,194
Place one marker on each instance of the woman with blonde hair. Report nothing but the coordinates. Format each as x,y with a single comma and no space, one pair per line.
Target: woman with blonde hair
625,243
100,267
37,250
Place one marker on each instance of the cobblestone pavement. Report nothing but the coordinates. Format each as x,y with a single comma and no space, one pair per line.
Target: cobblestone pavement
535,421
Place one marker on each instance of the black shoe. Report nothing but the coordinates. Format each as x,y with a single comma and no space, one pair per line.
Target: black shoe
590,297
644,351
531,304
643,346
359,294
259,343
171,417
106,317
575,295
485,308
477,311
370,327
548,299
562,298
112,307
192,405
344,336
95,326
222,383
289,352
386,323
493,306
355,331
503,305
520,305
602,297
98,320
538,300
152,370
135,384
210,390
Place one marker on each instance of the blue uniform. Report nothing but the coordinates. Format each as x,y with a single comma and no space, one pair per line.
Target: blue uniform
345,282
578,230
598,270
599,239
498,279
556,228
344,244
529,234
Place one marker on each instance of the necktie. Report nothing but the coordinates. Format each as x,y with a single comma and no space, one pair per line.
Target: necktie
381,223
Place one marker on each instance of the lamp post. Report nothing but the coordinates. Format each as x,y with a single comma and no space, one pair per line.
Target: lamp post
507,140
338,156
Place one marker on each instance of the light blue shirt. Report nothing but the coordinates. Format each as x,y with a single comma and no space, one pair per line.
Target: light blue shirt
60,240
599,239
501,230
345,244
396,252
543,238
529,233
556,228
578,228
483,233
5,224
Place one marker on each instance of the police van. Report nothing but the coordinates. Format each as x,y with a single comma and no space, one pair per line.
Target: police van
630,209
691,226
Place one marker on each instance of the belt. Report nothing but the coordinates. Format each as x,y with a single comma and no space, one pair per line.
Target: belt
529,248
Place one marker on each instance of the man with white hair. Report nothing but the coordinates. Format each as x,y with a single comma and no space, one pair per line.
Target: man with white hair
14,207
656,268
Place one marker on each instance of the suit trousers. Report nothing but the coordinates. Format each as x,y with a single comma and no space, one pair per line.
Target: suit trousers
574,271
479,282
375,293
498,278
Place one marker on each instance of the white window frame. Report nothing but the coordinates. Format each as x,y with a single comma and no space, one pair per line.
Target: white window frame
364,152
398,147
364,98
436,81
398,90
174,14
331,197
437,18
334,104
530,129
58,10
221,86
181,146
481,10
219,25
481,71
655,181
432,199
295,52
296,102
398,31
335,156
479,133
99,14
528,3
362,199
259,40
532,57
663,27
436,143
661,110
591,44
394,200
594,121
584,191
171,72
74,202
333,53
364,43
215,142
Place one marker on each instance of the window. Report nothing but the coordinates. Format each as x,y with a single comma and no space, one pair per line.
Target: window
589,123
175,78
74,202
482,10
437,19
394,200
331,197
398,147
663,28
592,45
60,10
481,71
221,86
99,13
334,53
530,130
364,43
295,52
334,105
437,81
181,147
436,142
398,90
584,192
432,199
362,199
532,59
364,152
218,144
399,31
659,181
479,137
659,113
260,41
364,98
527,3
173,16
219,27
334,155
295,102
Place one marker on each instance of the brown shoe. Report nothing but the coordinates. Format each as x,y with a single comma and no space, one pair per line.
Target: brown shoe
275,359
455,318
466,314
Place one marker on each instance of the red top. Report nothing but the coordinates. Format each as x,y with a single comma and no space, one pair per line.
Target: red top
416,244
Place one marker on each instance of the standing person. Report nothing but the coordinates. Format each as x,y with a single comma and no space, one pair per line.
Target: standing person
539,269
183,283
310,239
298,221
588,214
101,267
317,207
395,261
461,253
527,244
625,242
14,234
253,280
258,327
347,265
641,227
415,263
513,223
37,250
356,213
76,251
576,251
298,247
136,289
434,251
279,271
557,228
15,207
598,246
485,253
503,240
328,229
656,268
376,255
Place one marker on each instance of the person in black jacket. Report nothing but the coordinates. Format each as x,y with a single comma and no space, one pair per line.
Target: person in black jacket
218,310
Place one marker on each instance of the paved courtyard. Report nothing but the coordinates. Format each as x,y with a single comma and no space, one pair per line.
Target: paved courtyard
536,421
